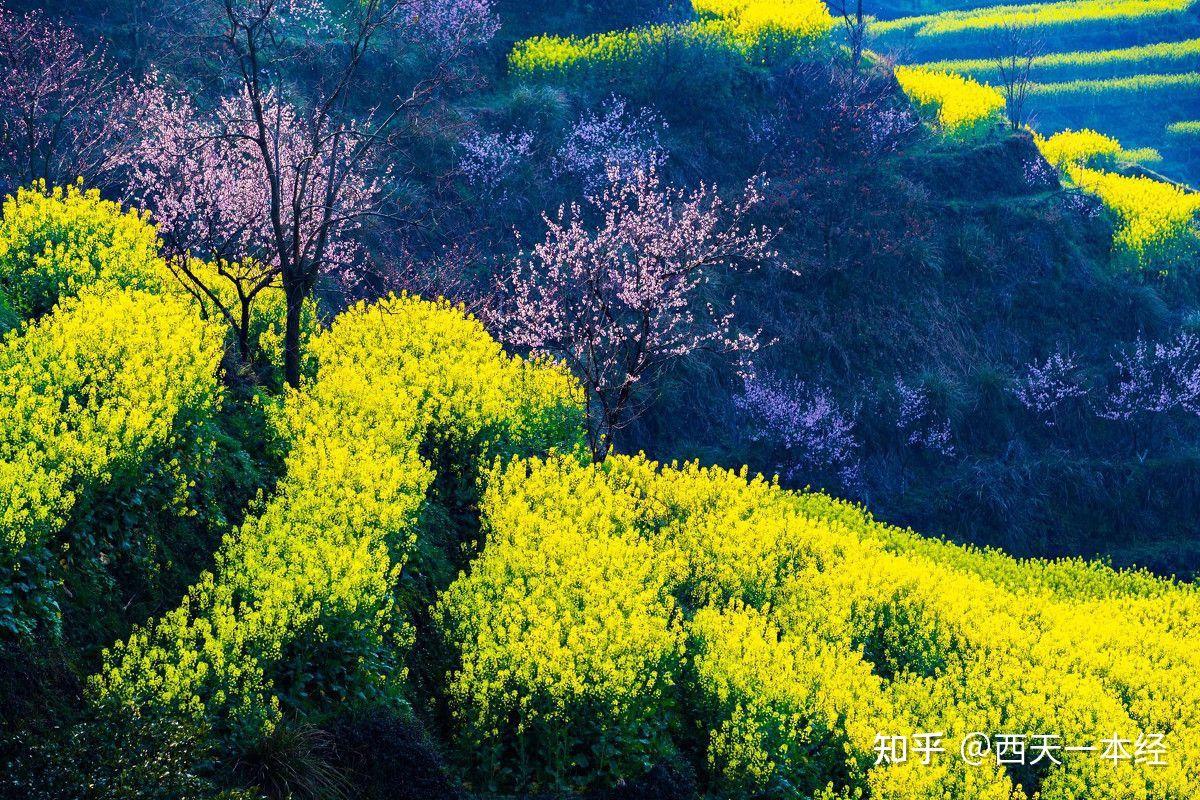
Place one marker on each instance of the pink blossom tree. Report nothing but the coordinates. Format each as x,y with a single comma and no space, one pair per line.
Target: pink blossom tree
621,301
210,190
57,99
287,171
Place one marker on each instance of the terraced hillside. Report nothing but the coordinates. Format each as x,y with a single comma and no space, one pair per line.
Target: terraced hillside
1128,69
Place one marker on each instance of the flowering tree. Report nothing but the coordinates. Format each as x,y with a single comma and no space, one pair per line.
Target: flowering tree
209,187
621,301
57,99
286,171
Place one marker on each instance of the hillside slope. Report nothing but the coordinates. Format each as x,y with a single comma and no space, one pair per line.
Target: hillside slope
620,623
1127,69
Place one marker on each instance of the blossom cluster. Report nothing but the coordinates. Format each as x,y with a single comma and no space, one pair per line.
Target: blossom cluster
1044,387
621,302
806,422
613,137
919,423
205,180
489,160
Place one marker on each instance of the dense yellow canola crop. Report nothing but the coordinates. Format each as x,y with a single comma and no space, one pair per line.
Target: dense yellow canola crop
1079,148
1185,128
300,606
1139,58
1034,15
112,372
56,241
744,25
1156,221
803,20
1154,217
106,380
807,630
1105,86
961,107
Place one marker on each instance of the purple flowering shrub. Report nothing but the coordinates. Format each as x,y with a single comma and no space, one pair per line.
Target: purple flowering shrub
921,426
1045,387
805,425
490,160
1156,379
615,137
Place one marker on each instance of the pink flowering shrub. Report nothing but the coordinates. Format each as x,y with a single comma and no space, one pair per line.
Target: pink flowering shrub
613,137
203,178
490,160
1156,379
621,300
1043,388
918,422
805,423
446,27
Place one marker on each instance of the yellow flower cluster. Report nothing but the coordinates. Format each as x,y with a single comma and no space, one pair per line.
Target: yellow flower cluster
1186,128
808,631
1156,220
1033,15
111,375
554,55
54,242
1079,148
746,26
94,387
570,639
752,20
299,608
963,108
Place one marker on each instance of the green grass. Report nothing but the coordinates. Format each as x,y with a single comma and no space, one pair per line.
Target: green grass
1033,15
1127,85
1163,57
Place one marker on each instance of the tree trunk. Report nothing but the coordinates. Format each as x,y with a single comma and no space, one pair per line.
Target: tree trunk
296,294
243,332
